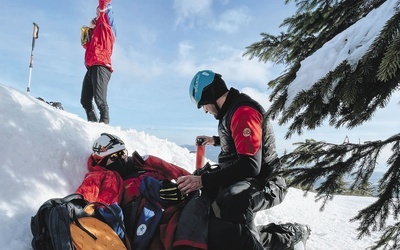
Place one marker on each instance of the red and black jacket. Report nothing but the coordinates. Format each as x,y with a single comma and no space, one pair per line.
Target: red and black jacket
247,143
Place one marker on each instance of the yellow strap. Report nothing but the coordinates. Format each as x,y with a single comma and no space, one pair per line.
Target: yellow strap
84,34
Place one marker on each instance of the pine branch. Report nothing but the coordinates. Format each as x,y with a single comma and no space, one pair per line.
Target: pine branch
374,216
331,162
348,95
390,238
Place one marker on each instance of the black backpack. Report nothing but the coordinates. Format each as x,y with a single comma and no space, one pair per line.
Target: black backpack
51,225
57,105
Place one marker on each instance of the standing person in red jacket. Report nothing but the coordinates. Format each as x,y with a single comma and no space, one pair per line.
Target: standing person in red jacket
98,43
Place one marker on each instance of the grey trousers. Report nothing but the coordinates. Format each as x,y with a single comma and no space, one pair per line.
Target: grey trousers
94,86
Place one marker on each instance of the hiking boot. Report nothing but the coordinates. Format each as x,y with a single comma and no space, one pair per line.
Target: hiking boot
104,115
91,116
301,235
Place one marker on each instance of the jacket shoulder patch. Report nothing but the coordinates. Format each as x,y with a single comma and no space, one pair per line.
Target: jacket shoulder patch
246,132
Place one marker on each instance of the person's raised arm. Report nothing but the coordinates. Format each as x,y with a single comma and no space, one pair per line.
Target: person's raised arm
103,5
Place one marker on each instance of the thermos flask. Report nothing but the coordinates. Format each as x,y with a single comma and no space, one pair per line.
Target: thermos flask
200,153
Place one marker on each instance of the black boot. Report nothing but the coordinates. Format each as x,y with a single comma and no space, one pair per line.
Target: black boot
286,236
91,116
104,116
302,233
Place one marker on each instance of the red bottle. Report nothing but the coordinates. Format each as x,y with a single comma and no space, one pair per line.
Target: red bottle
200,153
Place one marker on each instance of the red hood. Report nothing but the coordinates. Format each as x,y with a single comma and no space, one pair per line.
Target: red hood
92,165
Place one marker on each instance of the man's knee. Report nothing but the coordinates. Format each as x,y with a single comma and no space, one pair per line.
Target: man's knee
235,203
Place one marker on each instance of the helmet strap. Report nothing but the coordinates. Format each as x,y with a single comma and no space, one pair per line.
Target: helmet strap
216,106
113,140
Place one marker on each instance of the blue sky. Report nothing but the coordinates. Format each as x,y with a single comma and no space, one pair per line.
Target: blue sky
160,46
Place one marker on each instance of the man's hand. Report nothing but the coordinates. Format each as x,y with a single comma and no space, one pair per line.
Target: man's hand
207,140
189,183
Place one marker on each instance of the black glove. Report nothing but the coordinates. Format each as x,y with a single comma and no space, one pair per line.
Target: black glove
205,169
170,193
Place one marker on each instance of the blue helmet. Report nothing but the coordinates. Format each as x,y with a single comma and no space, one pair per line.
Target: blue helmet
206,87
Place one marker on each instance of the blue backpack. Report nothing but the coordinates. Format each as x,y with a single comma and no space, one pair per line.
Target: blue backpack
143,215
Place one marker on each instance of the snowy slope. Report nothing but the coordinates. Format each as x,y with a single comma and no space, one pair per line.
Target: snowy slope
43,155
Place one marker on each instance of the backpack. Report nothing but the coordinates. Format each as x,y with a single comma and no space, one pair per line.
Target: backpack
143,214
72,223
100,227
57,105
50,226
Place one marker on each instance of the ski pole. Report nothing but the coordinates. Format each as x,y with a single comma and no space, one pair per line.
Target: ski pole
34,37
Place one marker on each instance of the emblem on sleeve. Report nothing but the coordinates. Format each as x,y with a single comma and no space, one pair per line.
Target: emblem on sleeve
246,132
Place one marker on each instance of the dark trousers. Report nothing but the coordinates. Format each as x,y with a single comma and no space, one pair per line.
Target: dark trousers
235,208
191,232
231,221
239,202
94,86
223,235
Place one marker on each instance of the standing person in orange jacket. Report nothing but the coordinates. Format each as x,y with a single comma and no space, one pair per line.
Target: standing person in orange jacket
98,41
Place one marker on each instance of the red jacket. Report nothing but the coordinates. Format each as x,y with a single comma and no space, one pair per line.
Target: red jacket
101,185
100,45
154,167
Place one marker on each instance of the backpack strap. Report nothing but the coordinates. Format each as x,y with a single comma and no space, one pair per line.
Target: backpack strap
71,197
75,219
120,222
131,210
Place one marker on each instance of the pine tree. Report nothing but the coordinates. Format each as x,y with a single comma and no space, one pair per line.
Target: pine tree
363,189
347,96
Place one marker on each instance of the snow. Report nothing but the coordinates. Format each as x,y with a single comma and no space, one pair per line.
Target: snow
44,152
349,45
